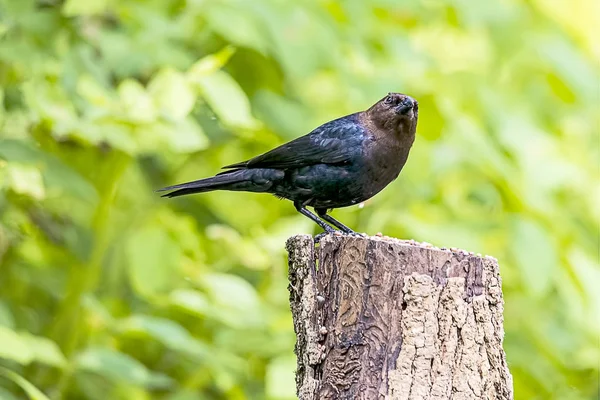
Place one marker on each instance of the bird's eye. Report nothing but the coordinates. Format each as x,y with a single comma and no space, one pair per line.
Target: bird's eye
389,100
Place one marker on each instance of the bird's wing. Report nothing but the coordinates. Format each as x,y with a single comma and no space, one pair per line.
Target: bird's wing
331,143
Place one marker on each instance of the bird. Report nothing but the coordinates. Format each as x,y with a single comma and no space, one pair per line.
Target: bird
339,164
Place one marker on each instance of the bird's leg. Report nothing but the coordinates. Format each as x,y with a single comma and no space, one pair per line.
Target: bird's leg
302,210
323,214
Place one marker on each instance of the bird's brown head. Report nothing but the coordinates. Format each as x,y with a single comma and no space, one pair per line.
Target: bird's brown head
397,112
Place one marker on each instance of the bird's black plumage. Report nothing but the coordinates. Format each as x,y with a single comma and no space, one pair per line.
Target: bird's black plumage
340,163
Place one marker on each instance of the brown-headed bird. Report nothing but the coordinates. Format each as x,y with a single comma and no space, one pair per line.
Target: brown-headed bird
341,163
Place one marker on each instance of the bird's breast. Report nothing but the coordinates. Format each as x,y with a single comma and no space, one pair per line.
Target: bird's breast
383,161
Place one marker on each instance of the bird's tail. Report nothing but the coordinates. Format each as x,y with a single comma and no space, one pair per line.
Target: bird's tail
238,180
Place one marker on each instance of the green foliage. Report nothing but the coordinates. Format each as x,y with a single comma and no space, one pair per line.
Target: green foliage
108,291
32,392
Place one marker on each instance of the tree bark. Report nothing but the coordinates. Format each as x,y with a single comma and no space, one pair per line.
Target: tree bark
381,318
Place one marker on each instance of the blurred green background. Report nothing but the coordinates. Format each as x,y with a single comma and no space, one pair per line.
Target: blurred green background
109,292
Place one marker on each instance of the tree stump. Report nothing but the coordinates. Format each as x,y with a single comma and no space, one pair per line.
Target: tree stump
382,318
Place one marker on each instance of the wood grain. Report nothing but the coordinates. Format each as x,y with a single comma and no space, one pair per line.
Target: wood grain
381,318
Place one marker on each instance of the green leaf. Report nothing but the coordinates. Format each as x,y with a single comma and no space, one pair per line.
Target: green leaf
96,311
248,31
6,395
231,291
185,394
167,332
2,110
57,174
25,348
227,99
120,367
588,272
73,8
14,347
190,300
248,252
172,94
94,93
235,302
6,318
3,29
49,102
280,378
33,392
187,136
209,64
138,105
44,350
19,151
152,258
535,254
118,135
26,180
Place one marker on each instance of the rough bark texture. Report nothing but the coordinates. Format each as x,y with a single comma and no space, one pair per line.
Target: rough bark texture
381,318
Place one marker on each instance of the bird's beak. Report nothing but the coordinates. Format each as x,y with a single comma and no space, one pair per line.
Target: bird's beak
406,105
